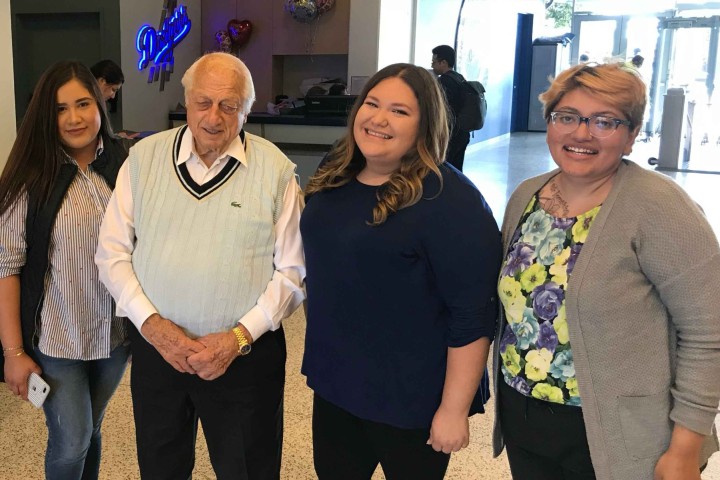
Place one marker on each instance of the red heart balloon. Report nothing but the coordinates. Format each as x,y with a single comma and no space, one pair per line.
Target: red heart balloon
239,31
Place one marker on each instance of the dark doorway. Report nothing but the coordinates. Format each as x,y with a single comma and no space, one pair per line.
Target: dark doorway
41,39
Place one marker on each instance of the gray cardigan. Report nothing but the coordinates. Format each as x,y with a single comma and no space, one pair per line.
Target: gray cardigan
643,315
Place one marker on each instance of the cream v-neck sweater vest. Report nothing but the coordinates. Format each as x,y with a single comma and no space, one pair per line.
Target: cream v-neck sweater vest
204,258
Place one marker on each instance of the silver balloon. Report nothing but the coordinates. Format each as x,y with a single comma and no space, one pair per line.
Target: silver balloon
224,41
303,11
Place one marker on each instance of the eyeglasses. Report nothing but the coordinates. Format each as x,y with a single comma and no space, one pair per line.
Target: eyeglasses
599,126
228,108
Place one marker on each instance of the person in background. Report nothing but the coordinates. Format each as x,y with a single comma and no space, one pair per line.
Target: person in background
56,318
110,77
443,64
608,348
398,324
338,89
637,61
201,249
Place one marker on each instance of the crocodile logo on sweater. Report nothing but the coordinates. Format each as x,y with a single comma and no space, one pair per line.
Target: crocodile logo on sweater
235,204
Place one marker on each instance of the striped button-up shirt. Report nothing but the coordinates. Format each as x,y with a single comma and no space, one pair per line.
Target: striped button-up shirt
77,320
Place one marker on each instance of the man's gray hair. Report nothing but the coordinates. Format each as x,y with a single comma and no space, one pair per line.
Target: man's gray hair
223,61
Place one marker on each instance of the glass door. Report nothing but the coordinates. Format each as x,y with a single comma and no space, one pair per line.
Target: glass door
599,38
687,54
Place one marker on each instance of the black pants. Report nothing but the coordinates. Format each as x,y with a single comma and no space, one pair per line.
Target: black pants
346,447
544,441
456,149
241,413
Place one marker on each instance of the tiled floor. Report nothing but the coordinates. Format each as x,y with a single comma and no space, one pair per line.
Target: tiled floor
497,167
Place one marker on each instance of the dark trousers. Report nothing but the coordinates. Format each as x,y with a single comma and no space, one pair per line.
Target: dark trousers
241,413
456,149
544,441
346,447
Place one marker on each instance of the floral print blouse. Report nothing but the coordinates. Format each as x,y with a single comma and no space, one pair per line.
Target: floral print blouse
537,358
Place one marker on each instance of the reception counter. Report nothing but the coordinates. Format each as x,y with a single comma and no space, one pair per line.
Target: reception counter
304,139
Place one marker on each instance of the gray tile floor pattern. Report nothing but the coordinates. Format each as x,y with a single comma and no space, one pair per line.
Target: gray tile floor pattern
496,167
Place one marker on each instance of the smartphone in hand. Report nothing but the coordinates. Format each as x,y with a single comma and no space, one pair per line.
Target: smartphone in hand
38,390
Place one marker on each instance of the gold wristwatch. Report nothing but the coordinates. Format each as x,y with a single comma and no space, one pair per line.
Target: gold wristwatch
244,346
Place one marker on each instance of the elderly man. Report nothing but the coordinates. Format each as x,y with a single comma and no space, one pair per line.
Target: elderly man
200,248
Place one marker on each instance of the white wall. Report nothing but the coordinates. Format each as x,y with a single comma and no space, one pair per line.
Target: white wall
436,22
397,18
363,38
145,107
7,85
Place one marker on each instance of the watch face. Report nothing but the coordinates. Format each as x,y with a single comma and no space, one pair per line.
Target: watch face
245,349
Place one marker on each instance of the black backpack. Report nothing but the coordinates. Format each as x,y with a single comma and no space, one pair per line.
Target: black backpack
474,106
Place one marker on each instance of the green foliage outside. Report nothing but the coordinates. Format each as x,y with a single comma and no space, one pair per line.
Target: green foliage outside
560,13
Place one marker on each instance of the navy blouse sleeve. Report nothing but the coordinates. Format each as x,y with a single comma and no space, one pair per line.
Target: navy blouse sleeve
463,245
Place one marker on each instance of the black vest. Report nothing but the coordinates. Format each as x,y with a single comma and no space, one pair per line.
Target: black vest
39,225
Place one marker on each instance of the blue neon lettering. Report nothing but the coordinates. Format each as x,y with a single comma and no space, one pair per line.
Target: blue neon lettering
157,46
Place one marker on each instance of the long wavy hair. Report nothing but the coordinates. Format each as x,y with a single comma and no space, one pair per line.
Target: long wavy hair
405,186
37,154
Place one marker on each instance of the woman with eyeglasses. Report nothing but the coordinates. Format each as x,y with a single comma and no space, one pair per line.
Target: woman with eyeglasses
607,351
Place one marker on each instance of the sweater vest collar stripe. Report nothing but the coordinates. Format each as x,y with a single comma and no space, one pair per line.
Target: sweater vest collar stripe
201,191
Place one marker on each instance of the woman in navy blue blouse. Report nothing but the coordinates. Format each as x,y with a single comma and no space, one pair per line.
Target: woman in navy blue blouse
402,256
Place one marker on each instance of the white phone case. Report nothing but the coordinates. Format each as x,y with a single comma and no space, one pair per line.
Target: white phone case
38,390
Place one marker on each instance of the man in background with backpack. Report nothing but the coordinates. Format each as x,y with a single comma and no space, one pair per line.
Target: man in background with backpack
443,63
